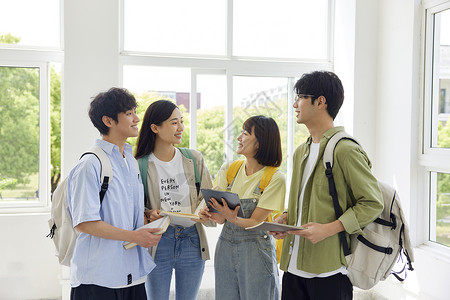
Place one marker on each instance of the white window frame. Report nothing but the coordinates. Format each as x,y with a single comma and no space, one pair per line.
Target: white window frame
232,66
430,158
36,57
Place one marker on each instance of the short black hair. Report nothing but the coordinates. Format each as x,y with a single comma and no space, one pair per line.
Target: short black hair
110,104
322,83
268,136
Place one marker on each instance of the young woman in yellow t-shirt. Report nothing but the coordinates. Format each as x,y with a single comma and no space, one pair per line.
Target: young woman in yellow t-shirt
245,261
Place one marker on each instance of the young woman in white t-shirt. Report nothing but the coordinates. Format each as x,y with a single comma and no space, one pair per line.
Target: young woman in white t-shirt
245,262
171,187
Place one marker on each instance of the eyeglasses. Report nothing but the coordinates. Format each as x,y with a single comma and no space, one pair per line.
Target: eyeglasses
299,97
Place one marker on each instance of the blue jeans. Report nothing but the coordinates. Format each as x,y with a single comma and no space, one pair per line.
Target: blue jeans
179,249
245,262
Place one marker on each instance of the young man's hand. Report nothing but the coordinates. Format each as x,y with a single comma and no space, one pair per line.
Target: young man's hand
146,238
316,232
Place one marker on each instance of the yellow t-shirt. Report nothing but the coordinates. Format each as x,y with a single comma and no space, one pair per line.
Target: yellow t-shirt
244,186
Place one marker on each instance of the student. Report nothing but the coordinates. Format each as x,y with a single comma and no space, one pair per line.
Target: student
101,268
313,259
245,262
171,187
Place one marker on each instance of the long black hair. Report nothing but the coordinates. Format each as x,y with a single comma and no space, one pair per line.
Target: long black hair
158,112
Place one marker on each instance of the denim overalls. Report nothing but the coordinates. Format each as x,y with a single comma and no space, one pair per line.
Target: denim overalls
245,262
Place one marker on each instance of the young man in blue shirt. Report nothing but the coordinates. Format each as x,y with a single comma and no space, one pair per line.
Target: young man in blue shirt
101,268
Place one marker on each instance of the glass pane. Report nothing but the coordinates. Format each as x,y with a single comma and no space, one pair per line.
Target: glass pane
175,26
260,96
441,81
55,125
19,134
285,28
149,84
30,22
440,218
212,92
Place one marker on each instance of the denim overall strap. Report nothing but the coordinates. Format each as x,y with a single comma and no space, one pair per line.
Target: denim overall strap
245,262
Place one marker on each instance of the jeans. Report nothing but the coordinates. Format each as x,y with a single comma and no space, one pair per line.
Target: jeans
245,262
179,249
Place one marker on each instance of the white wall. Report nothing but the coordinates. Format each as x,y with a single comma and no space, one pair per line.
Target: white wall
397,141
28,267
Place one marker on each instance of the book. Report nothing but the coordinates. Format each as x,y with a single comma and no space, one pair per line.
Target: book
183,219
232,199
270,226
161,223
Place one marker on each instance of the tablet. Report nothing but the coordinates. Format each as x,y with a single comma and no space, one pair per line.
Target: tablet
231,198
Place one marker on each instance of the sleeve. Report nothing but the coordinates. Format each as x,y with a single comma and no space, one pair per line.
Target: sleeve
274,194
84,187
364,187
221,179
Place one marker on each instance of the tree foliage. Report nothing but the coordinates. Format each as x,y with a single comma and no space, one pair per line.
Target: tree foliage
19,124
443,179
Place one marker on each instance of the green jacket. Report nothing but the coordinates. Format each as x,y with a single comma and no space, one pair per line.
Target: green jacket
358,194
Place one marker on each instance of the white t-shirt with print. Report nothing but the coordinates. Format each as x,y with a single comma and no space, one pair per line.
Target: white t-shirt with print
173,185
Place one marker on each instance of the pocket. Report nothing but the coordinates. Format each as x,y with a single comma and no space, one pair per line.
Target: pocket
364,263
266,253
194,240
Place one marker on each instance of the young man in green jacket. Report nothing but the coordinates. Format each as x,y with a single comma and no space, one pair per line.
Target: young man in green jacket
313,259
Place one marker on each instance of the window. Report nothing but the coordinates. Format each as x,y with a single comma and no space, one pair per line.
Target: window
236,59
33,23
436,125
30,101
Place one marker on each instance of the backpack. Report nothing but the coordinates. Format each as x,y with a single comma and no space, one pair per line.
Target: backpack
371,257
62,233
143,165
265,180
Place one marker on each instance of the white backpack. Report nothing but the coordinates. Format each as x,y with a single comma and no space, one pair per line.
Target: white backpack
62,233
385,244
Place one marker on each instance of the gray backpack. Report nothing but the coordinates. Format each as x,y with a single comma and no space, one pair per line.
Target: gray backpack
385,244
62,233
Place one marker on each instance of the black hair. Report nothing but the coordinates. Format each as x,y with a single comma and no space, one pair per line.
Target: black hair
322,83
267,134
158,112
110,104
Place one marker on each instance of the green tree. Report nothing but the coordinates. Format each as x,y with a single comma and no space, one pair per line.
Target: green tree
19,125
55,125
443,179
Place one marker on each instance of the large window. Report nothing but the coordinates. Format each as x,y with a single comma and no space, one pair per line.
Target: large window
30,101
436,126
235,58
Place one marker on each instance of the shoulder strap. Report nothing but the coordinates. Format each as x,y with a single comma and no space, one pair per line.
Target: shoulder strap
143,165
328,157
106,172
188,154
267,176
233,169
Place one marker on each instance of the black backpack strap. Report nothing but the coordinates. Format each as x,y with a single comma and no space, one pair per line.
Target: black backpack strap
337,208
105,182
